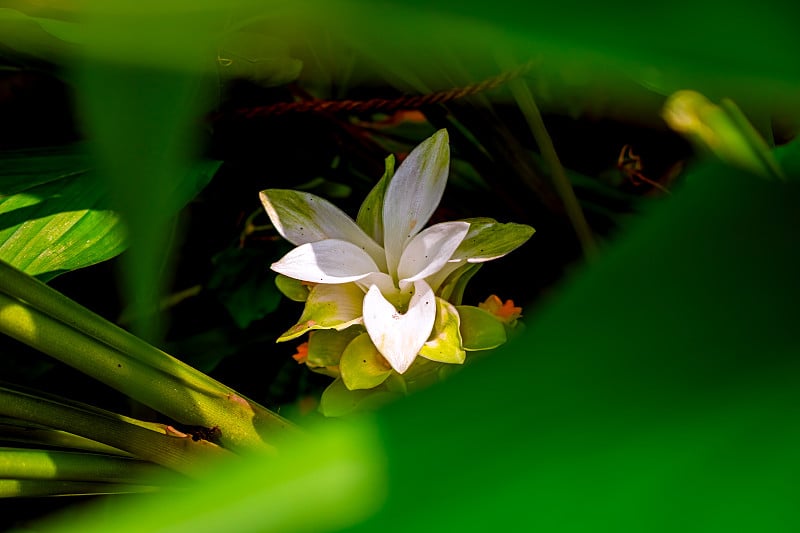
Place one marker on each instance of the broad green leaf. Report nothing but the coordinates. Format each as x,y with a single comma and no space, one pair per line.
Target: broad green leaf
370,214
55,216
338,400
480,330
488,239
325,346
362,366
257,57
445,344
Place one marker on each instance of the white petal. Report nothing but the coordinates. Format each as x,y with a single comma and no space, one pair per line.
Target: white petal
302,217
328,261
413,194
399,337
430,250
382,280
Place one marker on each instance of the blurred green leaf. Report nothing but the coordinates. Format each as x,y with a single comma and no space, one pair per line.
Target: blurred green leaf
329,479
257,57
656,393
722,130
41,37
788,157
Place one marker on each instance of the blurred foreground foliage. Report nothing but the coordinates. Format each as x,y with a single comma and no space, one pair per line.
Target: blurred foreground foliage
653,389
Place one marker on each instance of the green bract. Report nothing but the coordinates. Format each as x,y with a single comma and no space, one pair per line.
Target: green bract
387,272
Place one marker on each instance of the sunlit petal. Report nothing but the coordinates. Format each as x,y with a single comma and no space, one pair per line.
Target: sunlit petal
328,261
430,250
413,194
400,336
302,218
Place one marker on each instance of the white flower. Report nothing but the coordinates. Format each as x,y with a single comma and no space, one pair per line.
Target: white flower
383,270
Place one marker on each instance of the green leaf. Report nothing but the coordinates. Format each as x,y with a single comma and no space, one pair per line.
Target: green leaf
325,346
452,288
56,217
294,289
445,344
338,400
480,330
370,214
328,307
257,57
41,37
243,285
362,366
488,239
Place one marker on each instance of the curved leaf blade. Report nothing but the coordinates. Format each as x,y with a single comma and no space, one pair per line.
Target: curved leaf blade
54,215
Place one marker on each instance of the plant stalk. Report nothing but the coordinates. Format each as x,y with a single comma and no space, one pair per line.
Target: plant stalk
40,316
181,454
24,463
527,104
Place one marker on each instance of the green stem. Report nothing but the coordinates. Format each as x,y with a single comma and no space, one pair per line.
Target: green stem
29,433
533,117
21,463
182,454
41,317
24,488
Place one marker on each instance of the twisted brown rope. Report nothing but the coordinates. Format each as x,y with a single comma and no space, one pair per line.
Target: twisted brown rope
382,104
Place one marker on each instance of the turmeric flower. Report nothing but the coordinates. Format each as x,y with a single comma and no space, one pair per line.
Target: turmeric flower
383,270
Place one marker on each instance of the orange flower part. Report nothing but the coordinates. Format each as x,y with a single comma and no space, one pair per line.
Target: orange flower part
506,312
302,353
